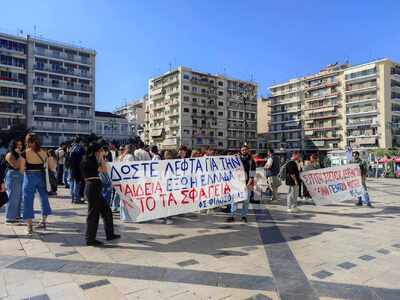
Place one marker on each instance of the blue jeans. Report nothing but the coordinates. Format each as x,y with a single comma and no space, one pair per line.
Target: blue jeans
66,177
13,181
245,208
75,186
35,181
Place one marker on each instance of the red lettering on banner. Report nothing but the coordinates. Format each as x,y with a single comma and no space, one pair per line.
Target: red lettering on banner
162,196
171,198
148,188
185,199
192,194
128,191
227,189
152,201
139,191
202,195
158,188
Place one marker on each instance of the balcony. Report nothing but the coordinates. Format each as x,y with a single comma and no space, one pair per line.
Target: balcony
320,117
62,56
62,114
321,86
358,101
63,85
321,97
361,111
354,90
362,123
361,78
64,71
62,98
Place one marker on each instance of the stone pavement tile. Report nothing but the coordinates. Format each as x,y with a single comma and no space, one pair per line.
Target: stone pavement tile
346,265
128,285
26,288
367,257
105,292
94,284
49,279
322,274
66,291
186,263
144,294
383,251
38,297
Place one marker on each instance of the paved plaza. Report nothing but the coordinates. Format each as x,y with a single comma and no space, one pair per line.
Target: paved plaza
330,252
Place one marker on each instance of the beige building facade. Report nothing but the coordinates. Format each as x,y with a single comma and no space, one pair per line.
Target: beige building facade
197,109
340,106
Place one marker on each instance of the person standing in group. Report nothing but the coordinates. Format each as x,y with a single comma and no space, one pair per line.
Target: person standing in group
52,168
67,166
272,167
13,181
34,180
140,153
249,168
154,153
364,171
129,153
93,163
311,164
293,181
76,155
60,153
183,152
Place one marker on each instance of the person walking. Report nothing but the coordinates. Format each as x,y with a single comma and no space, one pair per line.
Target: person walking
249,168
76,155
60,154
293,181
34,164
93,163
13,181
272,167
364,171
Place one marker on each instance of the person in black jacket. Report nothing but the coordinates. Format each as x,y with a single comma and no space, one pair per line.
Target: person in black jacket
249,168
75,157
93,163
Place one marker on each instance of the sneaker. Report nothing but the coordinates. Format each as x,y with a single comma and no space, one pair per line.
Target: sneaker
230,219
94,243
244,219
114,237
169,222
41,225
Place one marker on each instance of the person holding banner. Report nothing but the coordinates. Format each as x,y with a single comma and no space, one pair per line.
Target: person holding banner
93,163
293,181
249,167
364,172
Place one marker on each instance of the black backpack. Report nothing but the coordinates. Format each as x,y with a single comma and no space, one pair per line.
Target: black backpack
67,160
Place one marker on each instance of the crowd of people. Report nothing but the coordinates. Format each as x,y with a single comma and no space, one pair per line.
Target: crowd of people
79,166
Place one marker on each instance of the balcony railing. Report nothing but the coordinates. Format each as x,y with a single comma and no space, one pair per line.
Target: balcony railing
62,55
62,127
63,85
64,71
12,80
62,98
62,114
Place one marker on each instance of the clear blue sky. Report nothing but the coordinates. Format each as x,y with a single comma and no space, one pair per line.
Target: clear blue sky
267,40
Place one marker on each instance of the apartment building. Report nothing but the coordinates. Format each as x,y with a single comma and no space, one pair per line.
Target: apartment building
112,127
340,106
49,85
133,111
264,123
197,109
13,81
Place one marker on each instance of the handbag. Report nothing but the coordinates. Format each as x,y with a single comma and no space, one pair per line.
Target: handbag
46,173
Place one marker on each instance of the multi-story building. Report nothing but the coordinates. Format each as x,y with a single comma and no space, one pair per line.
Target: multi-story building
263,123
13,81
340,106
197,109
49,84
134,113
112,127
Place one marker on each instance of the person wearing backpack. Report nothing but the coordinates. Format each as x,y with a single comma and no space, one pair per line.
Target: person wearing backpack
272,167
293,182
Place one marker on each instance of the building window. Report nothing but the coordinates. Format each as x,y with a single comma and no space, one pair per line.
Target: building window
186,76
220,133
194,89
194,100
194,110
194,122
203,112
186,109
220,83
186,98
220,144
220,103
221,113
185,88
220,93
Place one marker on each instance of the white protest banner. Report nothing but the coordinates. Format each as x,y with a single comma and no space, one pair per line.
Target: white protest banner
161,188
334,185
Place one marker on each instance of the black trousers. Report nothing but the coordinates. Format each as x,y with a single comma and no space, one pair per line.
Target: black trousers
60,174
97,207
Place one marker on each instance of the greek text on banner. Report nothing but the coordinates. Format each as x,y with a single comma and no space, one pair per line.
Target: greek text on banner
334,185
161,188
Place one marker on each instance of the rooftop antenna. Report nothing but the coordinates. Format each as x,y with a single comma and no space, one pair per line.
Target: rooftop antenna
34,30
251,78
170,66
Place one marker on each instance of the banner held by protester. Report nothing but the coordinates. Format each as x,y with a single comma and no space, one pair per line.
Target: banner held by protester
334,185
157,189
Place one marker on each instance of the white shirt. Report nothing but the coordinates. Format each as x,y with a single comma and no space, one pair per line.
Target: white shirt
156,157
269,163
128,157
141,155
61,156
